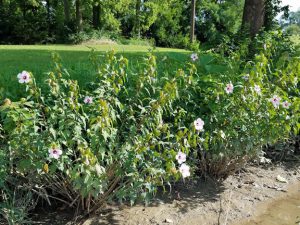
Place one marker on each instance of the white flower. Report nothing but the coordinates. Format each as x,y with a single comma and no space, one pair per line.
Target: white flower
181,157
222,134
184,170
99,169
194,57
88,100
286,104
287,117
199,123
24,77
275,100
265,46
229,88
54,153
257,89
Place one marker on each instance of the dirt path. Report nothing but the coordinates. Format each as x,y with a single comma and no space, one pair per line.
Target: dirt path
239,198
282,211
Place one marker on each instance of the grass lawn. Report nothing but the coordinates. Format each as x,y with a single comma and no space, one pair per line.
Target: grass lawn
37,59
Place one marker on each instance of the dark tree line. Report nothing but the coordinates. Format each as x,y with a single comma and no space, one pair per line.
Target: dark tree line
168,22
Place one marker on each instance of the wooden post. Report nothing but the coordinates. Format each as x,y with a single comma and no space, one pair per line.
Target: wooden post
78,15
137,23
193,15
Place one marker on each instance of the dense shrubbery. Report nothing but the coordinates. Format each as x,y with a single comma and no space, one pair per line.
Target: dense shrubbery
84,147
125,134
245,105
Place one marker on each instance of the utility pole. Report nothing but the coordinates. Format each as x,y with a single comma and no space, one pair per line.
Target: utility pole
193,15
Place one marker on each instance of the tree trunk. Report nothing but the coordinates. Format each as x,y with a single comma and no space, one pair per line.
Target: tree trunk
137,22
193,15
78,15
253,17
67,11
96,16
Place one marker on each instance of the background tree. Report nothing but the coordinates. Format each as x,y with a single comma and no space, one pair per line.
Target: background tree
165,22
294,18
262,13
217,20
291,23
254,15
96,14
67,11
272,9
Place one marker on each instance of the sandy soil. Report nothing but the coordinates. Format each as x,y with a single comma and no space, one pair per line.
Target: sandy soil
241,197
240,200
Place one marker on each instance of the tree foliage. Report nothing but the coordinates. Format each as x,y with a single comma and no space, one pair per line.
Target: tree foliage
167,22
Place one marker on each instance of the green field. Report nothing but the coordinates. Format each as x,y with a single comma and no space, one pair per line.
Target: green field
75,58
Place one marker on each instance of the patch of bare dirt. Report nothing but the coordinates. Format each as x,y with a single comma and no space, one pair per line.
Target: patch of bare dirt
99,42
240,197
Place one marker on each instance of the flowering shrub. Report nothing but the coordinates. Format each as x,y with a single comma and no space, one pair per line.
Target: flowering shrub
124,135
243,109
84,146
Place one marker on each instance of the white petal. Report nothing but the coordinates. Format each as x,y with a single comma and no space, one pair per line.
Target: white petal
59,152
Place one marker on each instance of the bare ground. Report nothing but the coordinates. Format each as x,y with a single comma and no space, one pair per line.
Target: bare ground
243,197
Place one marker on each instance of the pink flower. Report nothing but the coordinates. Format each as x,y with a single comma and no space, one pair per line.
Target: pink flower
184,169
275,100
257,89
229,88
194,57
24,77
286,104
88,100
199,123
54,153
181,157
